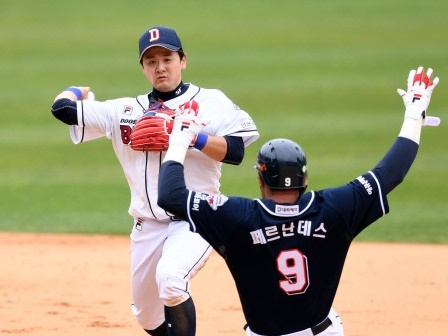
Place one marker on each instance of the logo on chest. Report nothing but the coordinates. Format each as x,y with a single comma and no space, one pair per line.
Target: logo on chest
127,109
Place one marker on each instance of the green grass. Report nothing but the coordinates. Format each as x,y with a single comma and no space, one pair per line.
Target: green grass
323,73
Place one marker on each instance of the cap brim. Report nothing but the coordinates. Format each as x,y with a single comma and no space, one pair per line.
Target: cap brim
163,45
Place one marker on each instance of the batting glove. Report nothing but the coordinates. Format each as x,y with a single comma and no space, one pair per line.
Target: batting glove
187,125
417,98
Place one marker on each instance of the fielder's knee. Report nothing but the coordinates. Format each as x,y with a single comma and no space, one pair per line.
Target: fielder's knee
173,289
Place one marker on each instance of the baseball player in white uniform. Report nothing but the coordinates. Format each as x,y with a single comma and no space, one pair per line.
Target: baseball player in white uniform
165,254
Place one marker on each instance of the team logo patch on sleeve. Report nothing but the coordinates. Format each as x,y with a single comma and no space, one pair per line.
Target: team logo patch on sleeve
215,201
247,122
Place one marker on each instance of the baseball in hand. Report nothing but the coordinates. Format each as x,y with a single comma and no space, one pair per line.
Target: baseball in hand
90,95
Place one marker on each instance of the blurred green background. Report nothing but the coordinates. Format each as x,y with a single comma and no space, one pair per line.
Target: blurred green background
323,73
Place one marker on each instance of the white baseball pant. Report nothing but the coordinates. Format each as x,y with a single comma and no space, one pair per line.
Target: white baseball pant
164,257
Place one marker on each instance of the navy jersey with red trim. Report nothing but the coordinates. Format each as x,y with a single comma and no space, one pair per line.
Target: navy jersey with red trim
285,257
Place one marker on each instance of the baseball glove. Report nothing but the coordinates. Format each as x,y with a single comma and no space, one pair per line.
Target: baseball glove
152,131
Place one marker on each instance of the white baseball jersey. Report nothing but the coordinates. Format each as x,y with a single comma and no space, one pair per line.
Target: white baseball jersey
115,120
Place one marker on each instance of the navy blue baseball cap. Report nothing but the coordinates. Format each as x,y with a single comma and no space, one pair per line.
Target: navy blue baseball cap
159,36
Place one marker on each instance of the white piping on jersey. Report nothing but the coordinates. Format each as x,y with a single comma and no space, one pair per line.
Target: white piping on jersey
83,123
245,134
285,214
379,191
146,183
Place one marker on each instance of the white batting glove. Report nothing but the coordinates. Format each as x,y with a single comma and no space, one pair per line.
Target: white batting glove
187,124
417,98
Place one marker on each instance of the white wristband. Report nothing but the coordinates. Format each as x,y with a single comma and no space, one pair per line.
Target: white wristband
411,129
176,153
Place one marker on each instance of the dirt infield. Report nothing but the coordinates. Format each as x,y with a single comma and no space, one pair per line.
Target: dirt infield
79,285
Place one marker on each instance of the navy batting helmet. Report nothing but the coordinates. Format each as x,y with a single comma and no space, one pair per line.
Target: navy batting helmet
282,165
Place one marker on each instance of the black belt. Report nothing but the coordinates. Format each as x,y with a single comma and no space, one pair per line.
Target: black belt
317,329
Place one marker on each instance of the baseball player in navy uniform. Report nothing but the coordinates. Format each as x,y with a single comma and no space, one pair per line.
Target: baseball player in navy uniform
286,251
165,254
